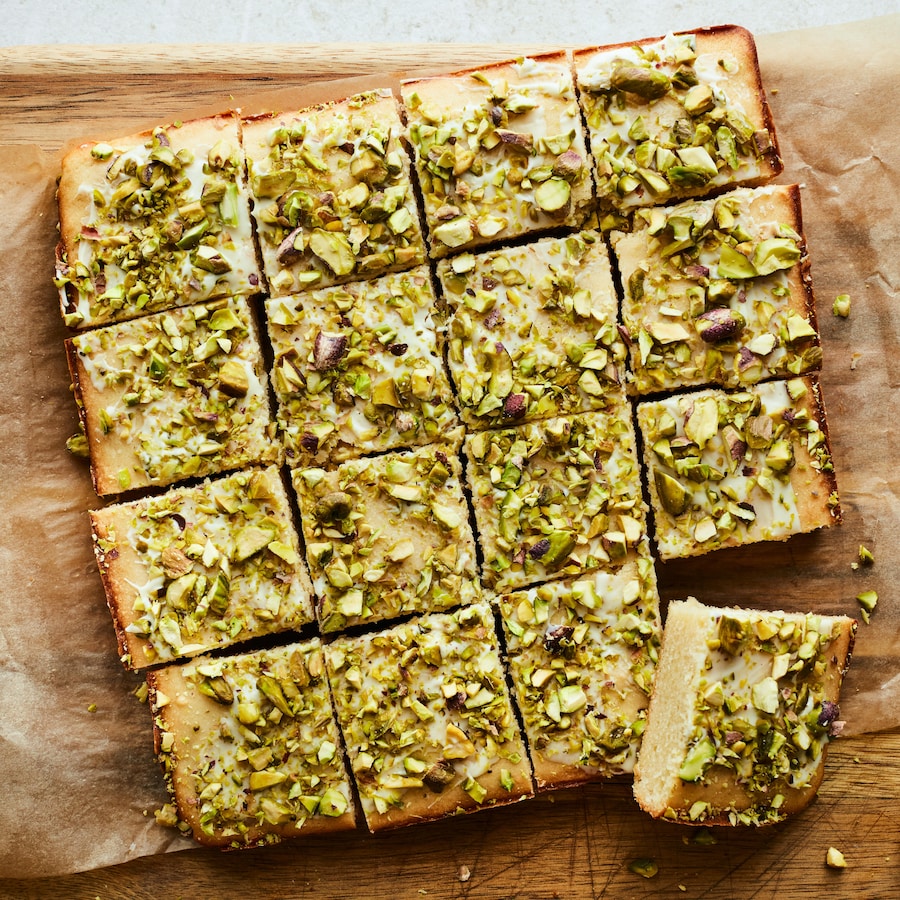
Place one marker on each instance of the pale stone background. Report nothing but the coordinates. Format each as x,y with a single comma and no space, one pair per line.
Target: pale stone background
461,21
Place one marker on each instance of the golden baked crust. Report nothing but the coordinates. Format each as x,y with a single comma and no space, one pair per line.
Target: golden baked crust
427,720
680,116
718,291
333,200
171,396
500,152
250,746
154,221
726,469
582,656
202,567
742,710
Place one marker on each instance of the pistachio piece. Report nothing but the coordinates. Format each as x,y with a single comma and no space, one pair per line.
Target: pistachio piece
561,544
733,264
643,81
553,195
439,775
455,233
249,541
334,250
780,457
774,254
272,184
384,393
334,506
515,140
673,495
720,324
703,422
219,689
175,563
733,635
698,100
369,167
515,406
841,306
568,165
210,260
273,690
328,350
697,760
290,250
233,378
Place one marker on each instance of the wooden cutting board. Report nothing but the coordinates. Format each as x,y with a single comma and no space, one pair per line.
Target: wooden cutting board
570,844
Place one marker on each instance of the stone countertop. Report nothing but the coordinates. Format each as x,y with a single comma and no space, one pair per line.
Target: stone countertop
578,22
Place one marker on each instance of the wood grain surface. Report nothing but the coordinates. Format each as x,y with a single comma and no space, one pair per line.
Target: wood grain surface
571,844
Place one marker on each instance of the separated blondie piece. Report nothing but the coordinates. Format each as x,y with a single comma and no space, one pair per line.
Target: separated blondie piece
358,370
582,656
718,291
743,707
153,221
332,196
555,498
388,535
730,469
680,116
250,746
499,152
426,718
202,567
172,396
532,330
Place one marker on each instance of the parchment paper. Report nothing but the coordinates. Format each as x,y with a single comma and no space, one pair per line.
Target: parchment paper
81,786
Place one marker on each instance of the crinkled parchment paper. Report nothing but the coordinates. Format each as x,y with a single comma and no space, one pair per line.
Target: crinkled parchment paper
80,786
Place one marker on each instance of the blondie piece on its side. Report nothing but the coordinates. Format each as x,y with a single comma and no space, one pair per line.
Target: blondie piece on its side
500,152
388,535
743,706
173,396
199,568
726,469
555,498
532,330
582,656
426,719
250,747
332,195
358,369
153,221
718,291
680,116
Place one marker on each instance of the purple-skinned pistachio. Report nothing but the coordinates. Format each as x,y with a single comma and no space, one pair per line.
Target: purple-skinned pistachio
514,407
720,324
328,350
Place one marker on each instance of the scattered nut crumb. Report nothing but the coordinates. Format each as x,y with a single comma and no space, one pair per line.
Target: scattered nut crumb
643,866
866,557
834,859
854,360
682,888
464,873
705,837
841,306
867,601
